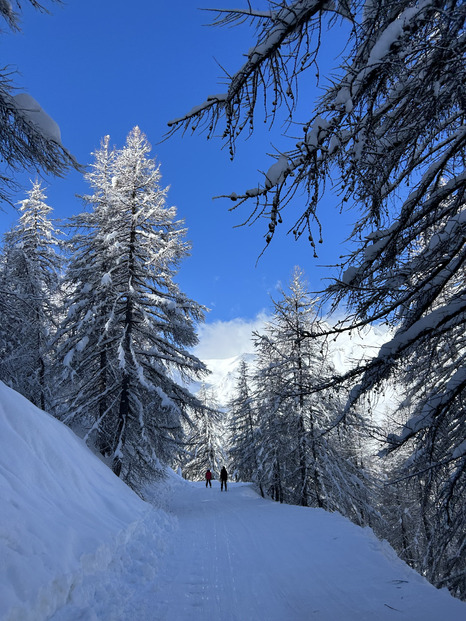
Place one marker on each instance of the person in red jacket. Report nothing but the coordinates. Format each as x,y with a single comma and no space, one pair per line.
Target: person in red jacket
208,478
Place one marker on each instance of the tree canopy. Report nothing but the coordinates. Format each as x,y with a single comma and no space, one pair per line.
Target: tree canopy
29,138
124,342
388,134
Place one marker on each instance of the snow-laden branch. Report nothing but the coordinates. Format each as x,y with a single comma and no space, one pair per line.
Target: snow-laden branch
242,91
34,115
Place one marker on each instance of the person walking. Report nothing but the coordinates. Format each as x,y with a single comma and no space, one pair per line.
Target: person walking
208,478
223,478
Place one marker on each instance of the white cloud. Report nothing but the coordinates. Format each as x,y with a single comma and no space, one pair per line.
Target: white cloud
227,339
222,341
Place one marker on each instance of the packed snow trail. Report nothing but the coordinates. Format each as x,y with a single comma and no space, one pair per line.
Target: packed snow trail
76,544
237,557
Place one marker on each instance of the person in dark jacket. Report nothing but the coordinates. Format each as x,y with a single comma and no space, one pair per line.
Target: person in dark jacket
223,478
208,478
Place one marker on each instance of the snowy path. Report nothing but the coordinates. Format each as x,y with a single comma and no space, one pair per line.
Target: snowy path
236,557
76,544
226,562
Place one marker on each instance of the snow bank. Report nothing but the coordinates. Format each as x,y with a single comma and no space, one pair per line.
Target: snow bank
63,514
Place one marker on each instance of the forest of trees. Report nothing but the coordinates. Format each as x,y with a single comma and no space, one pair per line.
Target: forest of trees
388,134
97,332
281,429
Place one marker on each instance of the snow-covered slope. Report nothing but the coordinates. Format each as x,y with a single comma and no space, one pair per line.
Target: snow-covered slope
349,348
77,545
223,375
63,513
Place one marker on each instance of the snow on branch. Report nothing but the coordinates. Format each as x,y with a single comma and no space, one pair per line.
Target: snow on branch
263,59
29,138
378,369
34,115
210,102
453,388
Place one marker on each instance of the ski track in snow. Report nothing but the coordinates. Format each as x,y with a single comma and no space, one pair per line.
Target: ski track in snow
76,544
237,557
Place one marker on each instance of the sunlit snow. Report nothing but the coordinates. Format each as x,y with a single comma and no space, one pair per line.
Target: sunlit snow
77,544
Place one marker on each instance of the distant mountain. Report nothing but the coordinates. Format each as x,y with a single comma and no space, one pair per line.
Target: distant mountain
224,374
345,352
222,378
350,348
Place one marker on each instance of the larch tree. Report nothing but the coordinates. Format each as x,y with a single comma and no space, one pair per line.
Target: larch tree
288,366
88,306
307,461
29,304
125,340
243,429
205,438
271,474
389,132
401,506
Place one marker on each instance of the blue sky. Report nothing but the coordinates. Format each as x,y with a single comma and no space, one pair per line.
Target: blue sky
102,67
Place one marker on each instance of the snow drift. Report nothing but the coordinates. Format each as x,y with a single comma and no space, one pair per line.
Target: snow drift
62,515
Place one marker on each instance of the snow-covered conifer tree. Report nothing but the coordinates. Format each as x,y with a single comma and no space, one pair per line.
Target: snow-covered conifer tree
389,130
205,442
288,367
29,304
243,429
128,326
271,425
300,452
401,507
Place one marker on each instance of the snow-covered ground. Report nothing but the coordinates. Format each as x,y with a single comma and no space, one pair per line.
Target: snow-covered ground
77,545
63,513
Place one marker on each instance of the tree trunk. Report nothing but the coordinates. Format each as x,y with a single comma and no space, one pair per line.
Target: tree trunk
103,439
124,409
123,414
303,500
